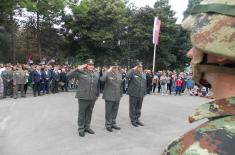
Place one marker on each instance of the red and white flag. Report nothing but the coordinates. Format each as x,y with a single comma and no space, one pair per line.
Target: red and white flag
156,30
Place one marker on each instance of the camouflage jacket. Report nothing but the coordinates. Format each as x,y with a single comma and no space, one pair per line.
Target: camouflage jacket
214,137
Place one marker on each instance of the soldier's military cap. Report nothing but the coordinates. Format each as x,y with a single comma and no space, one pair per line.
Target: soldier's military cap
90,61
139,63
115,64
212,27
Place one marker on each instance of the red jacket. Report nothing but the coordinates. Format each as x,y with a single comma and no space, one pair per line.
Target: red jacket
178,82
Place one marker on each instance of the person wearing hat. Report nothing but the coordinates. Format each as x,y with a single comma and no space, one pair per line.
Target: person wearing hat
19,80
87,94
112,95
212,27
7,77
137,89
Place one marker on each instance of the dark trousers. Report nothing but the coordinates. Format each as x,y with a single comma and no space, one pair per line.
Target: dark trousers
124,87
8,88
154,87
36,88
19,87
85,108
135,108
25,88
46,87
111,111
149,88
169,86
54,86
159,88
102,86
65,87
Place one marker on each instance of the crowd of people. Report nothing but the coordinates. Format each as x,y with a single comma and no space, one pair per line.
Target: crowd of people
170,82
45,79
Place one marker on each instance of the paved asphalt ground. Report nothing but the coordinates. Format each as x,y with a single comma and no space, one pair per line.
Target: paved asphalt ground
47,125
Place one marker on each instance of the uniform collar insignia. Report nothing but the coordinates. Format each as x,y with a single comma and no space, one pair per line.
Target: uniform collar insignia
214,109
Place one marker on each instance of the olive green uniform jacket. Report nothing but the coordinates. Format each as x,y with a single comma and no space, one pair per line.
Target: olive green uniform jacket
88,87
113,86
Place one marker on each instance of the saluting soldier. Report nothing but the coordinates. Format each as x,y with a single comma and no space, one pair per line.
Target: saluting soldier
19,79
87,94
137,89
112,95
7,77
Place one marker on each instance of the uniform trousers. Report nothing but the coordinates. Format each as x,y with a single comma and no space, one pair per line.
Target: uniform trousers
85,109
111,111
135,106
19,87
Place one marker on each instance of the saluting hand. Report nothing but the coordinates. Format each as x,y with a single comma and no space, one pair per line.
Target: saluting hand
82,66
110,69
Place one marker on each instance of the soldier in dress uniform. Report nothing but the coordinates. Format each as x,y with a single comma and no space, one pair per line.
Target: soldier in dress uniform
7,77
137,89
19,80
212,27
87,94
112,95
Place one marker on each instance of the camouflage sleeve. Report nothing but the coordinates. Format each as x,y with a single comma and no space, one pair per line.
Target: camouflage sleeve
215,137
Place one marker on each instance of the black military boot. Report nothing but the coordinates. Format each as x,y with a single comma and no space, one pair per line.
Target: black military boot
90,131
114,126
82,133
134,124
109,129
139,123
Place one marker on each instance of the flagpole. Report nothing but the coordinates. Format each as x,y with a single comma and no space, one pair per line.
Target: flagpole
154,56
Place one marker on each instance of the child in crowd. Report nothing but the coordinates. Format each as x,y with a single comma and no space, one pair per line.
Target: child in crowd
178,85
194,91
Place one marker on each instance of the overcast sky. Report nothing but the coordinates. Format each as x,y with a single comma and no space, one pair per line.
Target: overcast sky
179,6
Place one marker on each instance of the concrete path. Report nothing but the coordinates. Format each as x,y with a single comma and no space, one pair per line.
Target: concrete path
47,125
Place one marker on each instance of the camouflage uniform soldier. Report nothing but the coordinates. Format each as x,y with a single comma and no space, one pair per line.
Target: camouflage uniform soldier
19,80
7,77
212,26
137,89
87,94
112,95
